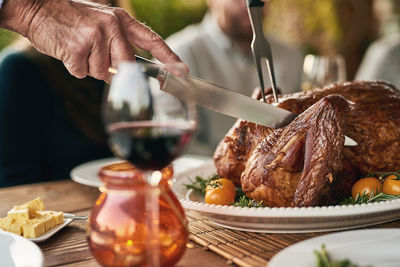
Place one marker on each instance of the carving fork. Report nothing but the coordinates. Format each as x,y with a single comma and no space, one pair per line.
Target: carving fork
260,46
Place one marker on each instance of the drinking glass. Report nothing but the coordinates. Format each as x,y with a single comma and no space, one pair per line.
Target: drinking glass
322,70
137,221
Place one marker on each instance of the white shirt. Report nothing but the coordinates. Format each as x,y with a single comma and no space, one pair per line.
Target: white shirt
382,61
211,56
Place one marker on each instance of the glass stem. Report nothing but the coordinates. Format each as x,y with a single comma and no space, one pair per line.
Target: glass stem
153,221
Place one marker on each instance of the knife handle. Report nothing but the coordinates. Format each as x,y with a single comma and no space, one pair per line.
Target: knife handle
152,72
143,60
154,68
255,3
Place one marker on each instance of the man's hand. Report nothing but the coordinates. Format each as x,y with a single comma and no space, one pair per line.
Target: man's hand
87,37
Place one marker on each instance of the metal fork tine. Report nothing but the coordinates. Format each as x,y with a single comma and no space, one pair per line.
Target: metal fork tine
260,75
260,46
271,72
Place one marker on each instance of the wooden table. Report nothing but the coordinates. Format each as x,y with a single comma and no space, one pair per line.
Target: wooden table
69,247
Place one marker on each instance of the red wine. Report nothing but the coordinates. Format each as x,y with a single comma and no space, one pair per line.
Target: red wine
149,145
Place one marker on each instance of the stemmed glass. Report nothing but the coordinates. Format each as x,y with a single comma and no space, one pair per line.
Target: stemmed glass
146,126
149,128
322,70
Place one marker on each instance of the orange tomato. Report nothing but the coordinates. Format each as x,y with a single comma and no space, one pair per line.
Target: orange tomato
391,185
220,192
366,186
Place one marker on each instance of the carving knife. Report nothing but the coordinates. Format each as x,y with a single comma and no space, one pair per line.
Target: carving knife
220,99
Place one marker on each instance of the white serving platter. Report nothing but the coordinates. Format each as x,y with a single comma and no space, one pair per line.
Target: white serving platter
283,220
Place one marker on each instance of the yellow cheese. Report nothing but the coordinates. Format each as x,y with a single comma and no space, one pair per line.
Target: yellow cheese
33,206
19,216
30,219
10,225
58,215
50,220
36,227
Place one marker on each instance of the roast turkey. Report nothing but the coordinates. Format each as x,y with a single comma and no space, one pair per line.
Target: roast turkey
305,163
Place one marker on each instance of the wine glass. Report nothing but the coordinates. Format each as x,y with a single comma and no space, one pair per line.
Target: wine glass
146,126
322,70
149,128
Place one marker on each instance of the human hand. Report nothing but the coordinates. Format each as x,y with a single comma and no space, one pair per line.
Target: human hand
87,37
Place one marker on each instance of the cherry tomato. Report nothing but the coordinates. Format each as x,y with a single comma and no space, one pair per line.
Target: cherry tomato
366,186
220,192
391,185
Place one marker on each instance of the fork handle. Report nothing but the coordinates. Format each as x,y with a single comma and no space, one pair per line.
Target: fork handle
255,3
74,217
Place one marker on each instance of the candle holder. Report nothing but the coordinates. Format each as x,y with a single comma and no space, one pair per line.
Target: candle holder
134,223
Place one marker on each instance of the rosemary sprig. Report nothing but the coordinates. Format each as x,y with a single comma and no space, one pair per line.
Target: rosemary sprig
368,198
199,185
244,201
323,259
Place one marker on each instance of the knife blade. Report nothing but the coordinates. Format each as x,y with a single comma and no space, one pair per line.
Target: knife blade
220,99
225,101
228,102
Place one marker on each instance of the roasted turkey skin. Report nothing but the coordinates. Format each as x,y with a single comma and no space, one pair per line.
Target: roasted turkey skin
298,164
373,122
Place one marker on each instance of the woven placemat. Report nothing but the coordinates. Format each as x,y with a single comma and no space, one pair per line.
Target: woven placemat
246,249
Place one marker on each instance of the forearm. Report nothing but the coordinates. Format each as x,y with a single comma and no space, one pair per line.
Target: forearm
17,15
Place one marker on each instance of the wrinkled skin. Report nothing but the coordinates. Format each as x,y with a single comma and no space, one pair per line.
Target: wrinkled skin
372,122
87,37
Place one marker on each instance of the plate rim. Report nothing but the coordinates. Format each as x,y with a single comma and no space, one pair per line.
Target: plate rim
23,239
77,177
323,239
74,173
52,231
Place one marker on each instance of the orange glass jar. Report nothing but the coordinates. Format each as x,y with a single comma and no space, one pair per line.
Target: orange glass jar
134,223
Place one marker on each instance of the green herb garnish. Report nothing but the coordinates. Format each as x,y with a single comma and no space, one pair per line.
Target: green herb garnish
244,201
368,198
324,260
199,185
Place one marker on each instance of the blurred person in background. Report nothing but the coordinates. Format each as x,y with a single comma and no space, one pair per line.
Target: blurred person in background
382,58
50,121
218,50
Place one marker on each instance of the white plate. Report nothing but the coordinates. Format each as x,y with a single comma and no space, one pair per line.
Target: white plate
87,173
372,247
16,251
52,231
283,220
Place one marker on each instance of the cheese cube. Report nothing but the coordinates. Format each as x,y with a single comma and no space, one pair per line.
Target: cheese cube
50,221
20,216
58,215
10,225
38,225
34,227
32,206
30,219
